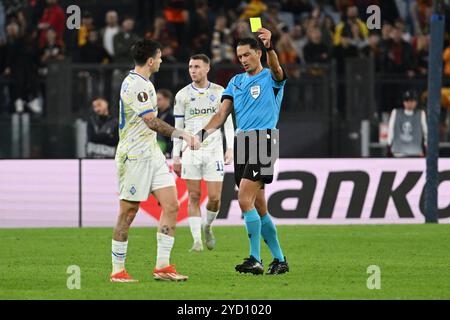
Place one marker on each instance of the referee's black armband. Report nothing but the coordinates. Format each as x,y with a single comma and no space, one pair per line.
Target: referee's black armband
224,97
202,135
285,76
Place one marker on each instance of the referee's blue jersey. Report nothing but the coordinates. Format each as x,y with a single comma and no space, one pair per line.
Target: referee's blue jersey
257,100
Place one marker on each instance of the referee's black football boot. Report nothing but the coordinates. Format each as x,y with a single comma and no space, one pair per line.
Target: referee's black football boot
278,267
250,265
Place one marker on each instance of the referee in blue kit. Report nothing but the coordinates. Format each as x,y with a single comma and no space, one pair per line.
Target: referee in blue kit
255,98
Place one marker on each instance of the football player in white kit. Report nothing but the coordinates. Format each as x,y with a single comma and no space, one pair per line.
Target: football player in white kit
195,104
141,166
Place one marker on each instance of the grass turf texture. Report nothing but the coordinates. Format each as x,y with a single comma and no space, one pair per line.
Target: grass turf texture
327,262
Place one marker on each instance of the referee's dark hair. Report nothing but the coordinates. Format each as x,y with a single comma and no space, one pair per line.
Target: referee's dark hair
142,50
252,42
202,57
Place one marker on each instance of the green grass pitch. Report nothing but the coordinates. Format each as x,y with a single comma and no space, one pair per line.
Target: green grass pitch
327,262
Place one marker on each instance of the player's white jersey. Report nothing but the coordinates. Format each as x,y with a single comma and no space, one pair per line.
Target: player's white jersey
197,106
137,98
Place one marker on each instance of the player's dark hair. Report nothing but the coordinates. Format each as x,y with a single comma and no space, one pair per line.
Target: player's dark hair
252,42
202,57
142,50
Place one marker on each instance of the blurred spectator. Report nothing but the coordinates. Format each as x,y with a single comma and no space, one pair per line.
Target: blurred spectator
315,18
445,107
422,53
103,134
423,9
22,62
168,77
273,20
350,22
399,57
373,49
241,29
93,51
87,24
161,33
221,43
446,57
254,8
406,11
51,51
406,36
315,50
386,31
107,33
124,40
53,17
164,102
177,17
287,54
200,29
299,40
168,55
408,129
346,49
358,38
175,12
92,80
328,29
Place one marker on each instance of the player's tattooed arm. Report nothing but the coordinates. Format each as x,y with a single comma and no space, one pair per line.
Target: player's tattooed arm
167,130
160,126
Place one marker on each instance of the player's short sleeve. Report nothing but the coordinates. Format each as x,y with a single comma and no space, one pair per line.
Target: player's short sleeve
138,95
279,84
179,105
228,93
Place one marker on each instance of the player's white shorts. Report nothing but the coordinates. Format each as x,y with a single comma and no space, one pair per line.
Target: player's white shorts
139,178
201,164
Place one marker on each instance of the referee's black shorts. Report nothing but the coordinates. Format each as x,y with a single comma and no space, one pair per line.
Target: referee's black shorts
255,153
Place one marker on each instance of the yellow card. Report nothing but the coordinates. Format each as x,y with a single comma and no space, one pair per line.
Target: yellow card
255,24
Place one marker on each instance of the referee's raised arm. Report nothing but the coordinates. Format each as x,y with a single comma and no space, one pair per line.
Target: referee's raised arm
272,59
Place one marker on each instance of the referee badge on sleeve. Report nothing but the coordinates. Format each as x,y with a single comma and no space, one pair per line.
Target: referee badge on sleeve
255,91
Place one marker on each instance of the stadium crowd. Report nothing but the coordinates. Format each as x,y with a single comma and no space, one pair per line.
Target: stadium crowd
33,33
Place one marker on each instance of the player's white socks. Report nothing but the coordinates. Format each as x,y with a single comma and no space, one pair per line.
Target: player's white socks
196,228
211,216
165,244
119,254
